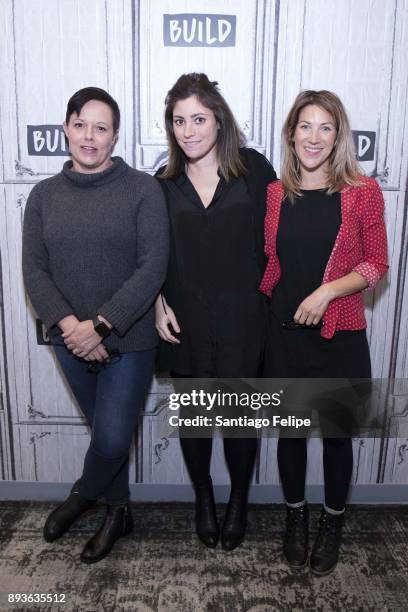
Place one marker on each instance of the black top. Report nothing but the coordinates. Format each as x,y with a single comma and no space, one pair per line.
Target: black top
216,263
306,235
215,244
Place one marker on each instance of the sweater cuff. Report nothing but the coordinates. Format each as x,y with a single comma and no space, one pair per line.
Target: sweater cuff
117,317
51,317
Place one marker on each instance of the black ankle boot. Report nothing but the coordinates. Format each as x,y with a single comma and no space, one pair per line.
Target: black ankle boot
295,543
325,551
235,522
61,519
206,517
118,523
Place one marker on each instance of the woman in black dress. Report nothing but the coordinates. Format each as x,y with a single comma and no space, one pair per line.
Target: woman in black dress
210,314
326,243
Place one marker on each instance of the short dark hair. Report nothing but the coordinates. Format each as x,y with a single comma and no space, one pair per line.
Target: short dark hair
230,138
82,96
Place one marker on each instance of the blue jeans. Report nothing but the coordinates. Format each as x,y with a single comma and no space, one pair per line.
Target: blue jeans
111,401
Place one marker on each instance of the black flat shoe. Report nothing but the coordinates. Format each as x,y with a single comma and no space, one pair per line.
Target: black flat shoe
325,551
207,527
117,524
235,522
296,539
61,519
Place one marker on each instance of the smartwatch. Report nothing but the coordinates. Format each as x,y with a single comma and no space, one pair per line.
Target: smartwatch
101,328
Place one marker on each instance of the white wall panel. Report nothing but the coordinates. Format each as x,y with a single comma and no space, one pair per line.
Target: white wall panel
401,350
382,302
266,469
396,468
361,72
288,66
50,50
355,49
51,453
37,389
120,61
252,56
160,455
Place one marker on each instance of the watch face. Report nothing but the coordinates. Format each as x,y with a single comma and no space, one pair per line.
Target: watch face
102,329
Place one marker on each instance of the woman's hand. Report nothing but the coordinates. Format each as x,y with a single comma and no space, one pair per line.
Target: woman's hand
82,339
311,310
164,317
67,324
98,354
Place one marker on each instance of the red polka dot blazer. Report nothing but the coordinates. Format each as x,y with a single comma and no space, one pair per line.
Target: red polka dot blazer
360,246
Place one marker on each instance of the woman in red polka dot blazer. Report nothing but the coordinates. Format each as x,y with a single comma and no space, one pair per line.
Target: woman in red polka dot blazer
326,243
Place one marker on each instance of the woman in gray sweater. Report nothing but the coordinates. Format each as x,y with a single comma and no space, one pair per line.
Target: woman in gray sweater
95,248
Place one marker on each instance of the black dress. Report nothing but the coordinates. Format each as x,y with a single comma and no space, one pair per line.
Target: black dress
306,235
216,264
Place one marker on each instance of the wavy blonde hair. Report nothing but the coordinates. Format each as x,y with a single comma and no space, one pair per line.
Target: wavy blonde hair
343,166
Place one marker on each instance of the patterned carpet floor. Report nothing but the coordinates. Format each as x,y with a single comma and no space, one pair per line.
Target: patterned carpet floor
162,567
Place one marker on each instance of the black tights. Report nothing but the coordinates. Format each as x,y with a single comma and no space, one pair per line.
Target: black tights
337,466
240,453
240,456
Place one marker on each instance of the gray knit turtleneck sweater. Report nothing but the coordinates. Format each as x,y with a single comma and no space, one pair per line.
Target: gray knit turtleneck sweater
97,244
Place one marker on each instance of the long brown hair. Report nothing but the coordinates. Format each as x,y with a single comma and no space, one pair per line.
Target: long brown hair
343,166
229,138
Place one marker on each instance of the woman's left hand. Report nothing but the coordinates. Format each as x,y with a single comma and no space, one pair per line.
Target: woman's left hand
311,310
82,339
99,353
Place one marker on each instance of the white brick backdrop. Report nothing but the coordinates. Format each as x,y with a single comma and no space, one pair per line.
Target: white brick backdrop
51,48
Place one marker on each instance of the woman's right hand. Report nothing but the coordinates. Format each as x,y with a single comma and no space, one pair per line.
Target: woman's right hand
68,324
164,317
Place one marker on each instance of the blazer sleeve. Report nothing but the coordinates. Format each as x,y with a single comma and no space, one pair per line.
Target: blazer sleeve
49,303
374,236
